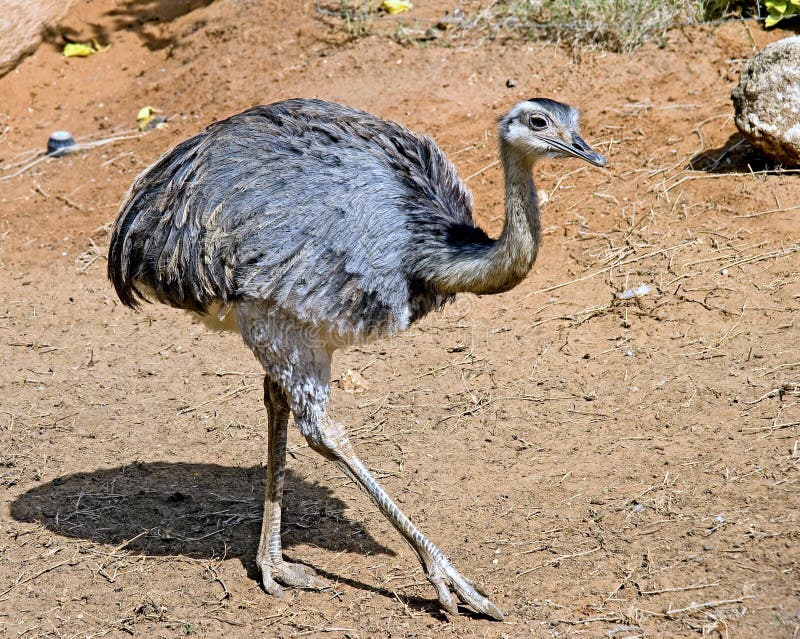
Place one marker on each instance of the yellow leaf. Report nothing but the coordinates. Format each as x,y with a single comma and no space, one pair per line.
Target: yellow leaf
144,116
83,49
395,6
77,49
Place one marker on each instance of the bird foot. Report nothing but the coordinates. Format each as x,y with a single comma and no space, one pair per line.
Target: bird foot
292,575
448,581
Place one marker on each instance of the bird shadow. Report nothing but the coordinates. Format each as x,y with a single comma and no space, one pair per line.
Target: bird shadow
197,510
205,511
737,155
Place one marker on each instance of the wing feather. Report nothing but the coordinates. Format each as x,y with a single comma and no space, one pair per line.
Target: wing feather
313,206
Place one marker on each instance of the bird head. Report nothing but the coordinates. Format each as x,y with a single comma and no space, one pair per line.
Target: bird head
541,127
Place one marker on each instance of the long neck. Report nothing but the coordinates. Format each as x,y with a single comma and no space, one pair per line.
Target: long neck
504,263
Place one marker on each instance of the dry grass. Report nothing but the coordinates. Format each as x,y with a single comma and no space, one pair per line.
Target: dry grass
613,25
617,25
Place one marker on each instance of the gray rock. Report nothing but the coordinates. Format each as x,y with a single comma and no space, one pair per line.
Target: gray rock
767,101
22,25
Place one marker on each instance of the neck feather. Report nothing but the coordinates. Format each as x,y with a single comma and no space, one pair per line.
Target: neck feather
486,268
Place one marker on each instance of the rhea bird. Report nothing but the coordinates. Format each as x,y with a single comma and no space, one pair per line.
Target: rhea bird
316,226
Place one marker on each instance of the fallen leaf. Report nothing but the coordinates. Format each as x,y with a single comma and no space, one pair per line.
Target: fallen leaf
144,116
78,50
83,49
395,6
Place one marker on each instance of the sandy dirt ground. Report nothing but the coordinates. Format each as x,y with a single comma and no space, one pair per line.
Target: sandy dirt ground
604,467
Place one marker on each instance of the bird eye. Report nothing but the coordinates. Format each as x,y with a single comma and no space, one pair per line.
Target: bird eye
537,122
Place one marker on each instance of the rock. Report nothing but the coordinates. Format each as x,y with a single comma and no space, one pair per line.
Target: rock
23,24
352,382
767,101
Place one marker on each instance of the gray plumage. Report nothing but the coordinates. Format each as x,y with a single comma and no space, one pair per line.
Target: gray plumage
323,225
322,209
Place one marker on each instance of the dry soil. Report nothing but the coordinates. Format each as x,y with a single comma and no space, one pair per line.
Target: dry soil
605,467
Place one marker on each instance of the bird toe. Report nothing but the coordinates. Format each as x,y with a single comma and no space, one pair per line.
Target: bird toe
301,576
448,581
274,573
271,586
446,599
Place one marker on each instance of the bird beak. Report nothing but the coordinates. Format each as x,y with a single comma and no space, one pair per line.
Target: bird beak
578,149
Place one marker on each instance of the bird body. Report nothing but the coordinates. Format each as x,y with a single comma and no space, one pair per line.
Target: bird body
331,214
319,225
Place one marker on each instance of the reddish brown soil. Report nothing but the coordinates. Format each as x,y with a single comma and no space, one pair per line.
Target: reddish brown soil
605,468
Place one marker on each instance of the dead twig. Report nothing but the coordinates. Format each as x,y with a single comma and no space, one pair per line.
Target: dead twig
786,210
578,622
221,398
771,427
712,176
558,560
775,392
760,258
82,146
702,606
20,581
225,592
610,267
679,588
469,359
479,171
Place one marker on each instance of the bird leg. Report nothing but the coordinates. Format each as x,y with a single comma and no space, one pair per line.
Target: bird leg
330,440
274,569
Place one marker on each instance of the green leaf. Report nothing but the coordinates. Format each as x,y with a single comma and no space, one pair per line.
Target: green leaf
772,20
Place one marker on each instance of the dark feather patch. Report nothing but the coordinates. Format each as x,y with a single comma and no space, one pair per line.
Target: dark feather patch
563,110
466,237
